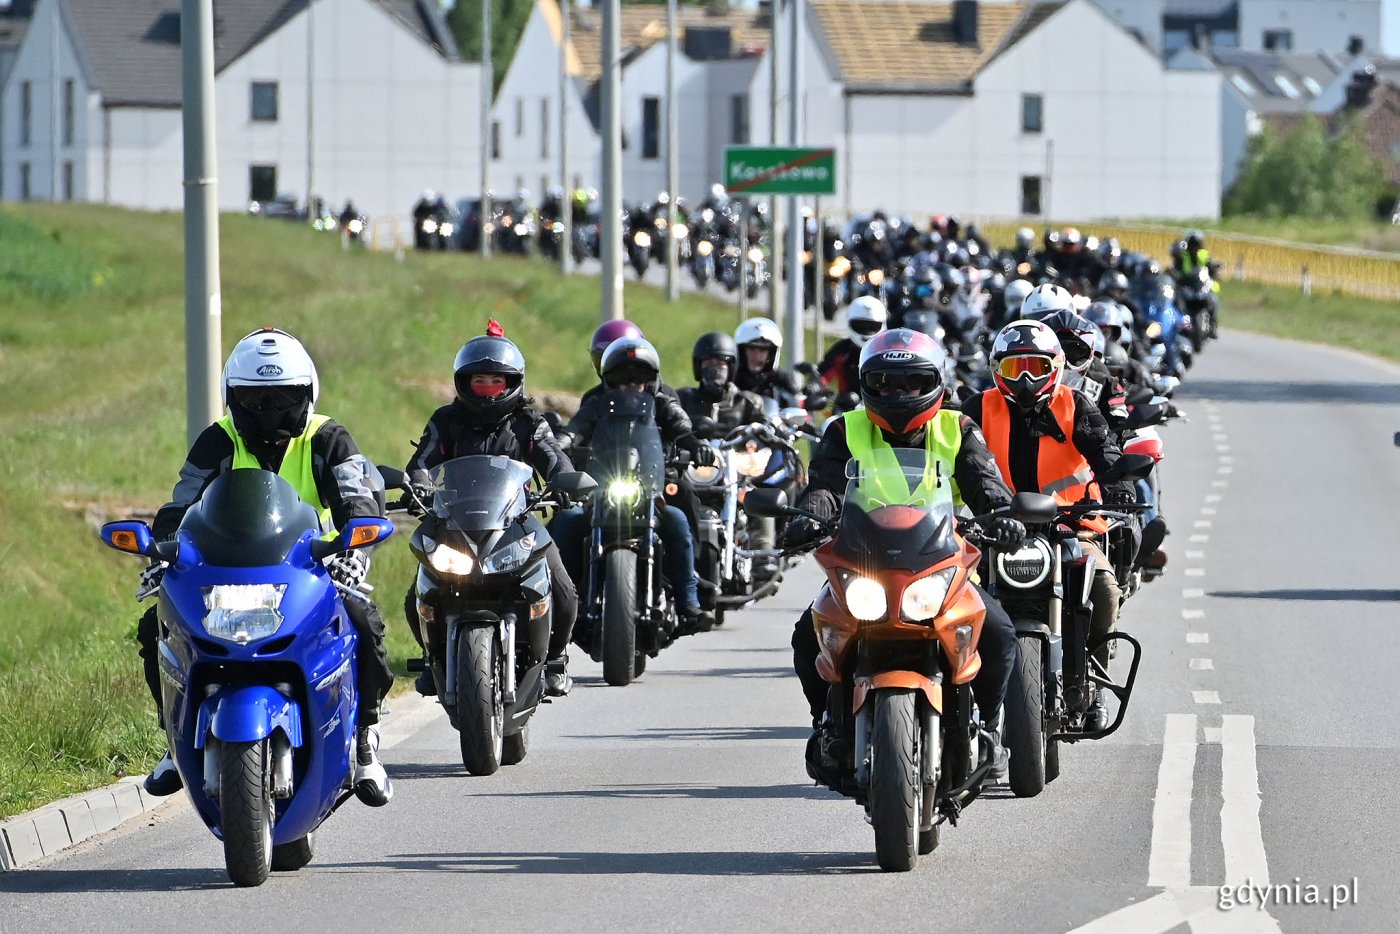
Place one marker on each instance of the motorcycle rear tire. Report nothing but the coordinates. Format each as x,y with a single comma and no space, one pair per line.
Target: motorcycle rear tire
289,857
620,617
1025,720
896,788
245,811
515,746
480,705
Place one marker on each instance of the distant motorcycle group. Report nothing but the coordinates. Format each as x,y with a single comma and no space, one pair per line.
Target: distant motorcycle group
670,510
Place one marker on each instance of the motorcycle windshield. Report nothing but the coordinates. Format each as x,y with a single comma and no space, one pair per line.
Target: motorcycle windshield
248,518
898,511
480,492
626,441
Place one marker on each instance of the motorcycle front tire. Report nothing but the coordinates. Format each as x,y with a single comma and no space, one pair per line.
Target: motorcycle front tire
619,617
480,705
245,811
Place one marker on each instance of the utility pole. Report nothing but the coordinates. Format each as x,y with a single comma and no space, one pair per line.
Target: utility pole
611,229
796,224
775,204
673,276
484,210
566,209
203,308
311,214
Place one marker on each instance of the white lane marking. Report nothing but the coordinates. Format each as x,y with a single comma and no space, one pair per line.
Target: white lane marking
1158,915
1222,449
1202,664
1195,572
1195,554
1240,832
1202,523
1198,637
1212,734
1206,697
1200,537
1213,498
1169,862
1220,483
1224,471
1193,614
1225,460
1191,593
1208,510
1219,436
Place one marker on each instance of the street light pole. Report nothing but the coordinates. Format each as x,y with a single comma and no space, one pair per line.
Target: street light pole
611,228
203,307
488,87
796,225
673,278
775,204
566,212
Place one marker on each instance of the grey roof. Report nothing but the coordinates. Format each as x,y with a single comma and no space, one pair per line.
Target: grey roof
132,47
1272,82
1204,9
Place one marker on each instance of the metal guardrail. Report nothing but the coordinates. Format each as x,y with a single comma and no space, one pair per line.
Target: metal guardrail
1364,273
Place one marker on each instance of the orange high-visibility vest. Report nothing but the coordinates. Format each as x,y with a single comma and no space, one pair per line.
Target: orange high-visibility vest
1060,469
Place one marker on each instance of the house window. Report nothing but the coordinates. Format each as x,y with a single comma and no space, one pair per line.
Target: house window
739,119
262,182
68,103
651,128
264,106
24,193
26,116
519,117
495,139
544,128
1278,40
68,181
1030,194
1031,116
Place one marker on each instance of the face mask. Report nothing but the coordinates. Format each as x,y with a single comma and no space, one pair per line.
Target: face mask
715,376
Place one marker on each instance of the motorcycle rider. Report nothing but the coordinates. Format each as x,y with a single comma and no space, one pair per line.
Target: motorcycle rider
902,385
1192,255
759,341
491,414
270,386
632,363
602,339
1115,323
1084,371
1048,438
714,359
840,367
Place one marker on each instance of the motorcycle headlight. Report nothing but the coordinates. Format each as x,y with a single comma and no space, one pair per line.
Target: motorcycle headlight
355,226
447,230
510,557
731,250
682,231
430,226
876,276
704,476
707,215
806,257
752,463
642,239
622,492
243,613
865,599
755,255
1026,567
1154,331
453,562
924,598
704,248
839,267
521,230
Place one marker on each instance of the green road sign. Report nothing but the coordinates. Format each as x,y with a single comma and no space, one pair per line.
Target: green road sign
778,170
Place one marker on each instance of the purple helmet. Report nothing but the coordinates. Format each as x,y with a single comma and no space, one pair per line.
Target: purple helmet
608,332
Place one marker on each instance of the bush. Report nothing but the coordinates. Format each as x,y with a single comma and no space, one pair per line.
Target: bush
1307,173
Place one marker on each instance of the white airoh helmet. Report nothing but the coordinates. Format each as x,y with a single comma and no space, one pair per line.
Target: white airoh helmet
866,317
1046,299
761,332
270,359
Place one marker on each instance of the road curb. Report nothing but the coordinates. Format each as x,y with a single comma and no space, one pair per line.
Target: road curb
56,827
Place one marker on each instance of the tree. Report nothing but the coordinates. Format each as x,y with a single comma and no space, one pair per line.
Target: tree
508,18
1308,173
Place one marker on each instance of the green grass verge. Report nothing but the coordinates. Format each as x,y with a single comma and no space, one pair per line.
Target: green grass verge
92,426
1342,320
1368,235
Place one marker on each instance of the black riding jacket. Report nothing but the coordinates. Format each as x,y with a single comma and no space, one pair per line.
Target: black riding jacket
730,409
523,435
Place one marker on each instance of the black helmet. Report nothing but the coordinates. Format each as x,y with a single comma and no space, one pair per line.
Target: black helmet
926,286
1076,336
631,360
907,360
489,356
1112,279
1195,239
714,344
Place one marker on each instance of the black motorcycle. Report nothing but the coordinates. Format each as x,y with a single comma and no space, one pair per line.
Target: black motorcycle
1198,301
483,598
626,613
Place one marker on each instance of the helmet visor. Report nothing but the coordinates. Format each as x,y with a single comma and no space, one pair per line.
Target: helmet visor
270,398
903,384
1015,367
629,374
865,327
1076,351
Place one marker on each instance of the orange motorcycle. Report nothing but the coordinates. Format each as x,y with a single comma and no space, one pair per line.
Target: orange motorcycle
897,623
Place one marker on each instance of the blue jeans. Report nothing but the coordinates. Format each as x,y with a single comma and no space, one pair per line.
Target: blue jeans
570,529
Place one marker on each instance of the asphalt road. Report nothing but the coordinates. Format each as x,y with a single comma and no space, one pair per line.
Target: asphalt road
1259,748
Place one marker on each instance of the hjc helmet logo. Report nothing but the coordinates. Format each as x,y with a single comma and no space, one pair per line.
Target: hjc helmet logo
897,355
269,369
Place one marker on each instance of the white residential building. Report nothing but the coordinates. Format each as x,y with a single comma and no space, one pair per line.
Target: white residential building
362,99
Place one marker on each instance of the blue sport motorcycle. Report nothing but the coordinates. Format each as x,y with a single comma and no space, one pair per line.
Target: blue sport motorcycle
257,665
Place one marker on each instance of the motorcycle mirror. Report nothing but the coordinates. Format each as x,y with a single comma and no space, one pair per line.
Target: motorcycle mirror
357,533
767,504
393,477
1134,466
131,536
573,482
1034,507
1143,415
794,417
806,369
1139,395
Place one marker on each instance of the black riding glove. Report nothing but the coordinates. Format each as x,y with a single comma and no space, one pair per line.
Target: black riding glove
1119,497
801,531
704,456
1009,533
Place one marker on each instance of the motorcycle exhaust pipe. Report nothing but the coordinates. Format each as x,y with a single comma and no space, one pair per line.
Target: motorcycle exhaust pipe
507,636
